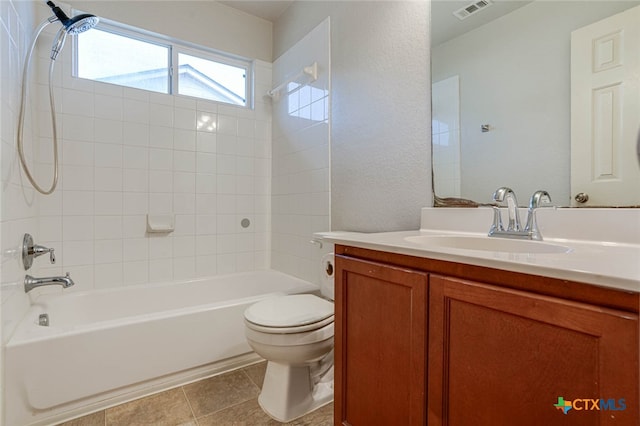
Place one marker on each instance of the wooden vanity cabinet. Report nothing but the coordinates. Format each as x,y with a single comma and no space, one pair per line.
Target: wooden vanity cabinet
420,341
501,357
380,344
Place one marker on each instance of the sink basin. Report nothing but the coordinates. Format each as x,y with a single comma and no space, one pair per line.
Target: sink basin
486,244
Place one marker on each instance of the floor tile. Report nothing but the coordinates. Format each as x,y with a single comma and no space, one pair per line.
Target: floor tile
168,408
230,399
323,416
247,413
256,373
220,392
95,419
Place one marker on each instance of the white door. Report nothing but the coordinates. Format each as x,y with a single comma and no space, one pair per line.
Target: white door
605,111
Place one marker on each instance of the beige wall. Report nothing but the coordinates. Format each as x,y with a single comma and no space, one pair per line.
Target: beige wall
380,108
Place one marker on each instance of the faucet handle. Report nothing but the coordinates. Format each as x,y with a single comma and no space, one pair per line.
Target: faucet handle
30,251
39,250
501,193
539,198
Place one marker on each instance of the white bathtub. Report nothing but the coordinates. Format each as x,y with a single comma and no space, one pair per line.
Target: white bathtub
102,340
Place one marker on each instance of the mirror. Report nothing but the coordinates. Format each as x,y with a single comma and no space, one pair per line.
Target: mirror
501,98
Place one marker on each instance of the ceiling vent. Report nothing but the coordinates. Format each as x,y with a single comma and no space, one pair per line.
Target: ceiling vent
475,7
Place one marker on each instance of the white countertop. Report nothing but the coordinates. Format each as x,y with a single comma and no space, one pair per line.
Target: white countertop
611,264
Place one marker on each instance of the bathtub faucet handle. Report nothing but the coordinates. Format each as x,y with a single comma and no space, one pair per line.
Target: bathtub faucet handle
30,251
40,250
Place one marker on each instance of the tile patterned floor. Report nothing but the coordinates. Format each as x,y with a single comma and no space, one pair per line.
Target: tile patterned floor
227,399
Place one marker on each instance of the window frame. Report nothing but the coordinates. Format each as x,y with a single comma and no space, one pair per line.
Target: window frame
175,47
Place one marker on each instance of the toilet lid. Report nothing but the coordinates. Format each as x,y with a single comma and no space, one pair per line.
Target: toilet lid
289,311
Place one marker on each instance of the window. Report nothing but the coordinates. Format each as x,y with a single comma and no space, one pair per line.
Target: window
204,78
114,58
112,53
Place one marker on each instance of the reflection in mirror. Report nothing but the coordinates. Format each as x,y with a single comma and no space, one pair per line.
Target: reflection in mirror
502,102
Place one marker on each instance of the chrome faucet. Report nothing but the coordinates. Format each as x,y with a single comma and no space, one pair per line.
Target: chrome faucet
514,228
507,194
30,282
30,251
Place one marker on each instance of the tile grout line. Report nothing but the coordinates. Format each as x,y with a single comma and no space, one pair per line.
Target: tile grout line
229,407
238,403
251,380
193,414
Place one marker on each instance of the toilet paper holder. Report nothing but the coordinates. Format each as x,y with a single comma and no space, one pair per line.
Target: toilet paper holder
327,263
329,268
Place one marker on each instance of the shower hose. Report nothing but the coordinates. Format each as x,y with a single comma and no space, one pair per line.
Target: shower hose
20,135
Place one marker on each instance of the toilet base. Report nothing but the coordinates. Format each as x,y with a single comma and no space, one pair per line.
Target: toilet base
288,392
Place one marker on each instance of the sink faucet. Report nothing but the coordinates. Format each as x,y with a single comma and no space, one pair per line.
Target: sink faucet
30,282
514,228
507,194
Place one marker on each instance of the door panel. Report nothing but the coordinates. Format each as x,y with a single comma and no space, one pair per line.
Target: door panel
605,111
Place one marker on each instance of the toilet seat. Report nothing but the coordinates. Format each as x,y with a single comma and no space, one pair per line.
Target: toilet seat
289,314
289,330
290,340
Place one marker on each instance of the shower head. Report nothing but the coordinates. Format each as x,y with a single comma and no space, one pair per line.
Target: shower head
76,25
81,23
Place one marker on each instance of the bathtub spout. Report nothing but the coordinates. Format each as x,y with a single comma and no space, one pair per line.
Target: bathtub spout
30,282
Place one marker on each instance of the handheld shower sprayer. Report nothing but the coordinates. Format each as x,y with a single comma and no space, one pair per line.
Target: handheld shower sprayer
58,43
76,25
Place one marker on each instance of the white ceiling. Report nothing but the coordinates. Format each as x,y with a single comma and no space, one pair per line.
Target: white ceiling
445,25
269,10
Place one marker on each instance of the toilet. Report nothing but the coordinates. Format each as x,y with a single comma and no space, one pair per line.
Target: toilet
294,333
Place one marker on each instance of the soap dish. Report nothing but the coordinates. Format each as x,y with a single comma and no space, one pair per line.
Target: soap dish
160,223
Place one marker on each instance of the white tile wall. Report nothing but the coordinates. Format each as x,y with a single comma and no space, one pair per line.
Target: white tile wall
300,168
445,136
19,204
126,153
159,160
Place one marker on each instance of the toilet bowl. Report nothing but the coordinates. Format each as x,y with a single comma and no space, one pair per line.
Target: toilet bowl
294,334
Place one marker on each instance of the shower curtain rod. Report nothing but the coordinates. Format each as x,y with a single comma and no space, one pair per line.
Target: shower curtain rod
311,71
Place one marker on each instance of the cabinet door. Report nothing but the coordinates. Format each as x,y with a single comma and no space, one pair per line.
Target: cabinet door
380,344
505,357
